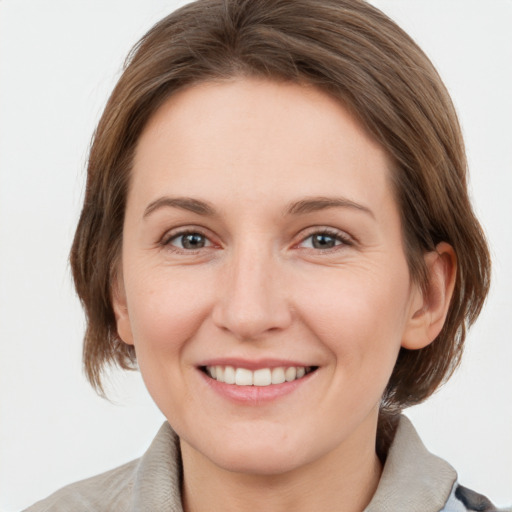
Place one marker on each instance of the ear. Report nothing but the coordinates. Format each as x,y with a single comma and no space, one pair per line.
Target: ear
429,307
119,304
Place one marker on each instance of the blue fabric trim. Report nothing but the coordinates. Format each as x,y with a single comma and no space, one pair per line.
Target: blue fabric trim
453,504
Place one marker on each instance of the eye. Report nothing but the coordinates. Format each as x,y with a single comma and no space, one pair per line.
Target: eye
189,241
324,240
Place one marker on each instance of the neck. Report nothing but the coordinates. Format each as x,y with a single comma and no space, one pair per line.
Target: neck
346,478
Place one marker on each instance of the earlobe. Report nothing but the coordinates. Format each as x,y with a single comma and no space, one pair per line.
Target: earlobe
119,304
429,307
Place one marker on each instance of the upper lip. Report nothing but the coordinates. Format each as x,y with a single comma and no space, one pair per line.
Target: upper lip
253,364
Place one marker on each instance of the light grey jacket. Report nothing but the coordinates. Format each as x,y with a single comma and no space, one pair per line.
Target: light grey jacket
413,480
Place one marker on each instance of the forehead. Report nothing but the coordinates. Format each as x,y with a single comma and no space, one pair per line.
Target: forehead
257,137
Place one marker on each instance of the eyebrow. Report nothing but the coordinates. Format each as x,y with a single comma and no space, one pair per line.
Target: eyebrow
302,207
184,203
314,204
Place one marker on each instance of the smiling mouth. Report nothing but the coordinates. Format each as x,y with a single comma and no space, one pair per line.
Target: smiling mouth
261,377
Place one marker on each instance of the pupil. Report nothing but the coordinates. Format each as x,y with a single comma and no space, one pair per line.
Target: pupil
193,241
323,241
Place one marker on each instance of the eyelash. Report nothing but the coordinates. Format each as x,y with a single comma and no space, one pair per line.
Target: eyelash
340,239
337,236
167,240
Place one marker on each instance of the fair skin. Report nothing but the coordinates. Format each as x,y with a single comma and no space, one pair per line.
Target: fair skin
260,233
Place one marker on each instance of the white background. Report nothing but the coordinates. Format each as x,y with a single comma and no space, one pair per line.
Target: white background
59,61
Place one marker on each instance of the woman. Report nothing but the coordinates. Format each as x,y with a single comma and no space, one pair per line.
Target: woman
277,231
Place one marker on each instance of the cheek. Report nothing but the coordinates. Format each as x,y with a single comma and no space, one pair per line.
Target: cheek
359,315
165,311
165,314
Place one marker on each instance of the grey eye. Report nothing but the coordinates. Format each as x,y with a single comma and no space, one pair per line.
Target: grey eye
190,241
321,241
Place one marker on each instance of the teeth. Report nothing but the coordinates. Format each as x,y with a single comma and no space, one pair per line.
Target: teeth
260,377
278,376
243,377
290,374
229,375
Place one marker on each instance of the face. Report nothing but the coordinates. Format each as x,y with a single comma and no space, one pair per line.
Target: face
263,282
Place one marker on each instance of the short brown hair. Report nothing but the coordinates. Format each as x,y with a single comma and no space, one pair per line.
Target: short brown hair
355,53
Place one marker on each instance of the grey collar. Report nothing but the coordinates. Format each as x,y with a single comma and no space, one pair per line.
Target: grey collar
157,483
413,480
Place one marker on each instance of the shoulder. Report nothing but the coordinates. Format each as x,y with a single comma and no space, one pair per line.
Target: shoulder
415,480
111,490
150,483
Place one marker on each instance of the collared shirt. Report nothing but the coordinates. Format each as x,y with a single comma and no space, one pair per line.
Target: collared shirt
413,480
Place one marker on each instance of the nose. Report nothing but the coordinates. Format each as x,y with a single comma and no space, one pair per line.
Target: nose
251,300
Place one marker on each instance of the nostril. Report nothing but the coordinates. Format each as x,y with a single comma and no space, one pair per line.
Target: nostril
253,321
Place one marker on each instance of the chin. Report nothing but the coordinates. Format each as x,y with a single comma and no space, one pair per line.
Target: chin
261,462
254,454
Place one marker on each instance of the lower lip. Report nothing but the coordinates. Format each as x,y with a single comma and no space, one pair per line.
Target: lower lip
255,394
